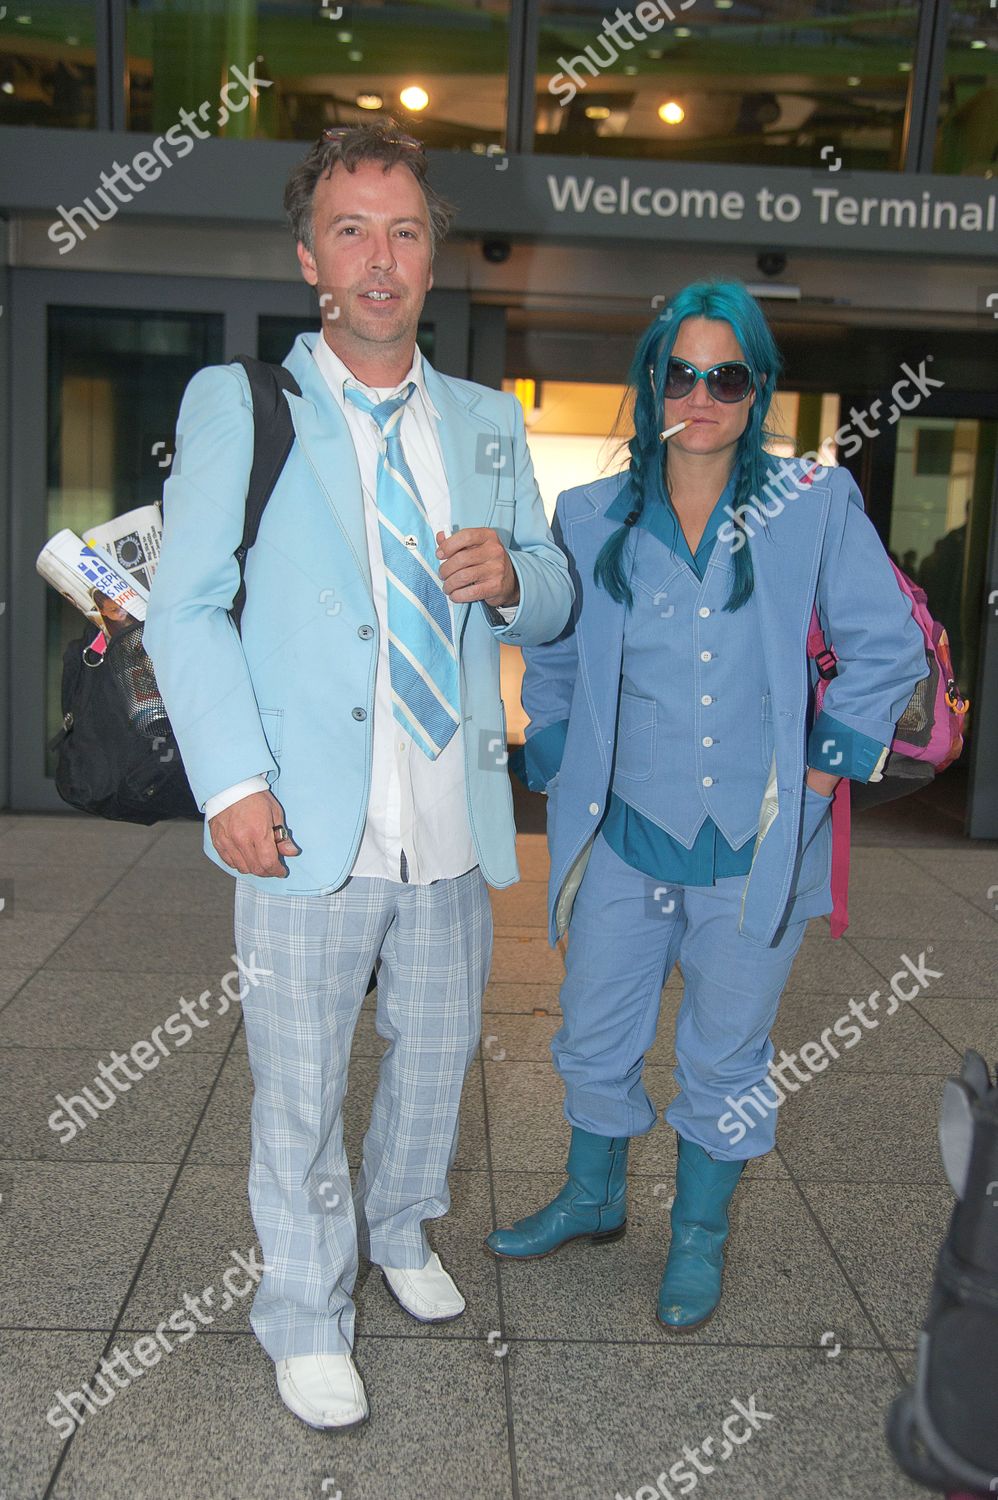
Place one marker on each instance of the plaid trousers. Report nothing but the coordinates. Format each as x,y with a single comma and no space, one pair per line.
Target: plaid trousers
434,943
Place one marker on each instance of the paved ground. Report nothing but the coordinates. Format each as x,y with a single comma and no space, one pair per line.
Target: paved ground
557,1384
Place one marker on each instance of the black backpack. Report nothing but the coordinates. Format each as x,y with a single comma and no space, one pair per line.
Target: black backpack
117,754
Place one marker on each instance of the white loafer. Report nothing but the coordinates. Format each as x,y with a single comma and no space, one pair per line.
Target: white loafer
324,1390
429,1295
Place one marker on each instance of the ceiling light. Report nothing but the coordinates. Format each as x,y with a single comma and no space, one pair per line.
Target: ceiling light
671,113
7,87
355,56
853,81
682,31
977,45
597,112
369,101
414,97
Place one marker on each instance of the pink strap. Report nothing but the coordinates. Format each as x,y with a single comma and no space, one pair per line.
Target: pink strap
841,806
841,824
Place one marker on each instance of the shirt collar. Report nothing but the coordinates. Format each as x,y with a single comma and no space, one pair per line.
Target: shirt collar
336,374
662,521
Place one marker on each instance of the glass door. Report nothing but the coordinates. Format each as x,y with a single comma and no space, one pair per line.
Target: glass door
943,521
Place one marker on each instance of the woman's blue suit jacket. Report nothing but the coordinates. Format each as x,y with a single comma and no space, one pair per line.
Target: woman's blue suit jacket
819,548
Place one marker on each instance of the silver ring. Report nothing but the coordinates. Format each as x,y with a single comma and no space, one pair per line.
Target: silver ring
280,832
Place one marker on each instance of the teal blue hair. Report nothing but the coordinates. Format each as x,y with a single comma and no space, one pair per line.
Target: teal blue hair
723,302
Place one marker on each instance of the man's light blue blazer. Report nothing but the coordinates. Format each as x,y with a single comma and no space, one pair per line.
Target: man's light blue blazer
291,693
817,548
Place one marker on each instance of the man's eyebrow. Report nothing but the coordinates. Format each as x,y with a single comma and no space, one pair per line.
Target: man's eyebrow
402,219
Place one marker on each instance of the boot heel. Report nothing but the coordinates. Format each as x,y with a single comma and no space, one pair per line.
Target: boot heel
603,1236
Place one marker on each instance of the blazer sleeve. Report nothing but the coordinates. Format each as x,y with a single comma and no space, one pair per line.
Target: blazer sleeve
880,649
549,683
189,634
546,592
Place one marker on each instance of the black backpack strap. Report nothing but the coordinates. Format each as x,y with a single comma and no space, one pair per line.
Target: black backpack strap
273,439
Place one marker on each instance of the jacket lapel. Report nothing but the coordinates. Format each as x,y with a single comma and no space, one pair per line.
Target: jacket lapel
325,440
601,645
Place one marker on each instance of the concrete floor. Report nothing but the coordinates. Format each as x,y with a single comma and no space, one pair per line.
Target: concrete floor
557,1384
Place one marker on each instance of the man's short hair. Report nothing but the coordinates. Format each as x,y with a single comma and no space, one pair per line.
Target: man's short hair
382,141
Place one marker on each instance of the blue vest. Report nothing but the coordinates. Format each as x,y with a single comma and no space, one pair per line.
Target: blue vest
695,733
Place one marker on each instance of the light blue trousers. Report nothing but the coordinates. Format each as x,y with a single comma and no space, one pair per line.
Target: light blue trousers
626,933
434,943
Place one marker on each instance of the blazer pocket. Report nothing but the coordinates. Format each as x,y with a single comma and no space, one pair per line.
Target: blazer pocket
636,737
272,720
815,867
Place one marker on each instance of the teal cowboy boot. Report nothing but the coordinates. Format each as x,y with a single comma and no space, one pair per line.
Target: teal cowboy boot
691,1285
592,1202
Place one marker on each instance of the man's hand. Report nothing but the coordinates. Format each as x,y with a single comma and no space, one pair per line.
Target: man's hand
243,835
822,781
476,565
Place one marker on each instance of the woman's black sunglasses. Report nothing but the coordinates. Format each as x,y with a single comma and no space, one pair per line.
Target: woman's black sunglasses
731,381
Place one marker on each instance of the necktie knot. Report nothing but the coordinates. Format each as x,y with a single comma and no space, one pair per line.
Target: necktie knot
387,413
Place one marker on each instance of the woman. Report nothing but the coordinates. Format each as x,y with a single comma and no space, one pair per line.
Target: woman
689,805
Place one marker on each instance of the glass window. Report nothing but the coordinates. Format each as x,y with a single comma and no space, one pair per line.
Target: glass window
967,141
726,81
47,61
939,523
115,379
438,68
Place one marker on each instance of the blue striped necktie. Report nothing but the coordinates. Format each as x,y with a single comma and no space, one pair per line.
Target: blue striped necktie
422,658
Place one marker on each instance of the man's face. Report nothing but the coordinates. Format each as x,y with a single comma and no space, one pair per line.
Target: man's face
371,261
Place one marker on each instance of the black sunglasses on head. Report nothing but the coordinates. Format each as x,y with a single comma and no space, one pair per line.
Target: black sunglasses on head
730,381
337,132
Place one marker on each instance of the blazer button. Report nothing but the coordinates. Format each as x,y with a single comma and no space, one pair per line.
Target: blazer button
594,808
365,632
704,612
708,781
705,656
359,713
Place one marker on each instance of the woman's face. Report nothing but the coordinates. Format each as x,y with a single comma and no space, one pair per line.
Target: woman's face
716,425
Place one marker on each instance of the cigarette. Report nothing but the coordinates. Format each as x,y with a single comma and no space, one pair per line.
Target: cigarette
671,431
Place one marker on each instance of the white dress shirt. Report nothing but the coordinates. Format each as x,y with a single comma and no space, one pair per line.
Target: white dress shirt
417,820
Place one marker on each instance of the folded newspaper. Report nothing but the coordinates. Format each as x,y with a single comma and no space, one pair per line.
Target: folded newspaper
131,542
108,596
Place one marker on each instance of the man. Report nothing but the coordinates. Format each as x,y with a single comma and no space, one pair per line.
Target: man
345,741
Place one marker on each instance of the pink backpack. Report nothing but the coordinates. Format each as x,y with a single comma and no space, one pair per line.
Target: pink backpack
928,737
